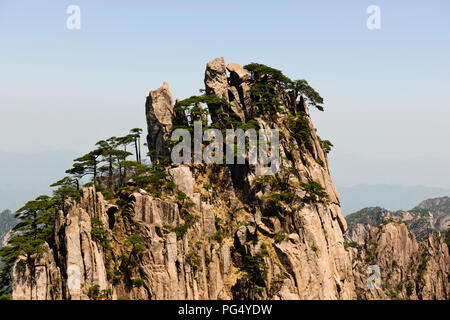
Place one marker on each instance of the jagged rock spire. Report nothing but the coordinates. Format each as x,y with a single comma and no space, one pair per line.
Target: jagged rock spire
229,89
159,112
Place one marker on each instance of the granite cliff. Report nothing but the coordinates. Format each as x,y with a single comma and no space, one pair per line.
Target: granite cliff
226,231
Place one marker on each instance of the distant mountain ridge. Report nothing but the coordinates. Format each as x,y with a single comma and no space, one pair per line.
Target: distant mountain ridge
26,176
7,222
429,215
391,197
409,248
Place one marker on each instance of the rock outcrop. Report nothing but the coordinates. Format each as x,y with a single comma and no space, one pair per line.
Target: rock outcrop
159,113
74,262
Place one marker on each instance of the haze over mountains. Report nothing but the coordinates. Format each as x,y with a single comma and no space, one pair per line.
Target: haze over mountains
391,197
7,222
428,216
25,176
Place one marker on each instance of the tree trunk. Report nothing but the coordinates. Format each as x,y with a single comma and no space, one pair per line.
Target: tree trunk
136,149
110,173
95,172
139,147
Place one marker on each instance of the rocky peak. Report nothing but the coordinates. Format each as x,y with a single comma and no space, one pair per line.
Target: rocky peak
430,215
219,231
159,112
237,74
442,203
312,228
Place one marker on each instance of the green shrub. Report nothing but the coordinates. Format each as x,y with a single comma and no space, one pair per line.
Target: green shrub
181,196
95,293
314,192
114,275
260,70
260,181
281,196
207,186
320,162
107,194
218,222
447,238
326,145
371,255
422,267
353,244
193,260
218,236
279,236
180,230
410,286
138,282
299,126
99,234
170,185
156,179
190,218
255,268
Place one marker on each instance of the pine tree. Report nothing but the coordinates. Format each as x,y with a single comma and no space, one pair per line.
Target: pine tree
66,188
30,234
136,133
87,164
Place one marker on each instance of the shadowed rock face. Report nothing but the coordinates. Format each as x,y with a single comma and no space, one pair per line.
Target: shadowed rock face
236,240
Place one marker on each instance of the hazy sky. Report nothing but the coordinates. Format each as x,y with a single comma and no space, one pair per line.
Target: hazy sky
386,91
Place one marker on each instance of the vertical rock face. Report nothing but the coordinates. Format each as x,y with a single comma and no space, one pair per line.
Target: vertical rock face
74,263
159,112
408,269
83,257
39,282
314,233
237,235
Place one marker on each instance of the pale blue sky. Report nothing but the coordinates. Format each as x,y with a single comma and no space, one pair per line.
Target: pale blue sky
386,91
